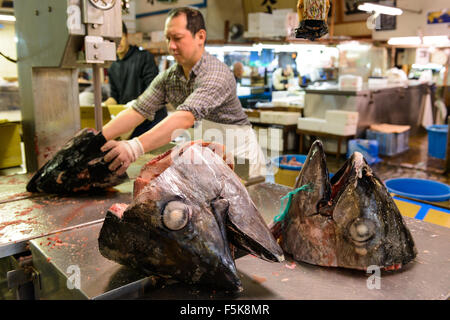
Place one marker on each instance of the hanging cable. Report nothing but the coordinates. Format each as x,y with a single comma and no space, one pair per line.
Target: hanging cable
8,58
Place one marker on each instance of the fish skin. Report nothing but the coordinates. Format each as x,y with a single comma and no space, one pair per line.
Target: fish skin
350,221
78,167
220,213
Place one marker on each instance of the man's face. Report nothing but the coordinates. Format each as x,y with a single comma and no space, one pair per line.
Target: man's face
182,45
123,45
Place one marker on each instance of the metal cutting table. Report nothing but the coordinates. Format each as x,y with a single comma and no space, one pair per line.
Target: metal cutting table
59,235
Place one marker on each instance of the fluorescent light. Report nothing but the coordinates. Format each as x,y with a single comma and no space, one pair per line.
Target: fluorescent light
354,46
404,41
7,17
433,66
428,40
370,7
436,40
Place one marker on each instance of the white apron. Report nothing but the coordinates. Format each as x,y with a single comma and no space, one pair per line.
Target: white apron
239,140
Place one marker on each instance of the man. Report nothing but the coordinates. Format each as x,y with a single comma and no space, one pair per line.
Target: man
238,71
129,76
199,86
281,78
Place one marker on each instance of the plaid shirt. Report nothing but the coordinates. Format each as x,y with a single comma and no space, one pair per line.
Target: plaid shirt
210,93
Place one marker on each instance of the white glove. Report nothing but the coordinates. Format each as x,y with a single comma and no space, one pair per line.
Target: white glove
122,154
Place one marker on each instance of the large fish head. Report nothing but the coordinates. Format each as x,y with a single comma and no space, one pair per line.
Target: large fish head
350,221
370,230
185,221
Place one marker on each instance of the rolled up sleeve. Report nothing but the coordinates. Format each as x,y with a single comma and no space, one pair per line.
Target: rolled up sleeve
209,94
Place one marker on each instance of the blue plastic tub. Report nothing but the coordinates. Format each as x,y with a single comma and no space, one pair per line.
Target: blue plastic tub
299,157
421,189
437,140
286,174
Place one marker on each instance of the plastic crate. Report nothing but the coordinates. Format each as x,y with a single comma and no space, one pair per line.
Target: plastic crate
437,141
284,174
389,144
368,148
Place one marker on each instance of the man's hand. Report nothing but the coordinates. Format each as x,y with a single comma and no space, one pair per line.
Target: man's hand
122,154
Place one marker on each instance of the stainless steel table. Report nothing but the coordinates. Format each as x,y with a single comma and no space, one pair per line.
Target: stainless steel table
63,237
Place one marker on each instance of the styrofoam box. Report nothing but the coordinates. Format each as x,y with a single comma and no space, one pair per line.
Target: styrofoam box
340,130
289,101
260,22
311,124
341,117
279,117
279,22
350,82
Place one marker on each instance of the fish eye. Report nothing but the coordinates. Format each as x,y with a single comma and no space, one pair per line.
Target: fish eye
176,215
362,230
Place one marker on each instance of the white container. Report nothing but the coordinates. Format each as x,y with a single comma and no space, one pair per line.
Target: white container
311,124
279,22
341,117
350,82
260,23
279,117
340,130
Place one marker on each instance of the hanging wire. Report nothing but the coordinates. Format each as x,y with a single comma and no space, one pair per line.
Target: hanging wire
8,58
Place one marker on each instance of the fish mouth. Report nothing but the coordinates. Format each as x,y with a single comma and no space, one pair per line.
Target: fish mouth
352,169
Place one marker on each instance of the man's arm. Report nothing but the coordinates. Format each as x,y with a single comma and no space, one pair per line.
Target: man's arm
123,153
161,134
126,121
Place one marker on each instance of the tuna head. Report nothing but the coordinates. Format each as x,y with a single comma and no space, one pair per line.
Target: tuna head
350,221
77,167
188,214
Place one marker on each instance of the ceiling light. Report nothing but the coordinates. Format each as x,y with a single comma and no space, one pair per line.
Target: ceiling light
439,41
404,41
7,17
370,7
436,40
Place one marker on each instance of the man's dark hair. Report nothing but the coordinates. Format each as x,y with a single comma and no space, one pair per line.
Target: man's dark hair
124,29
195,21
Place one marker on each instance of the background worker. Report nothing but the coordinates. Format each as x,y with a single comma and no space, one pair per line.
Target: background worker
281,78
238,71
129,76
199,86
